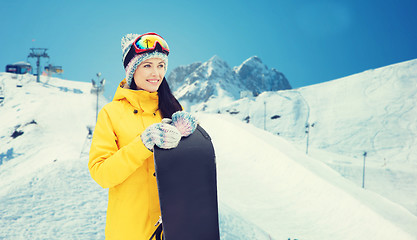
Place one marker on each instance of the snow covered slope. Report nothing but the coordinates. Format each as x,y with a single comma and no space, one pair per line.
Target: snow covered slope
35,129
268,187
46,191
292,196
372,112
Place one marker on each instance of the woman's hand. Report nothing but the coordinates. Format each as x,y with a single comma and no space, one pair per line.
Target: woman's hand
185,123
162,135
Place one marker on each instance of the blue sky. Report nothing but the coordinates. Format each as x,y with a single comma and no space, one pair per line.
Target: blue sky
309,41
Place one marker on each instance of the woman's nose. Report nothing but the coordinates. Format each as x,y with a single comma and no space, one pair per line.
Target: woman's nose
154,72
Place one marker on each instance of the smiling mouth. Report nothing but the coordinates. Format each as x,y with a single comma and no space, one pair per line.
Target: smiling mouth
153,80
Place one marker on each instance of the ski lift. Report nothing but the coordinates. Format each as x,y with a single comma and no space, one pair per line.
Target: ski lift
50,69
19,68
38,53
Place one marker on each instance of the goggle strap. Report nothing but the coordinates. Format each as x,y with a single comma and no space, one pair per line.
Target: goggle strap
130,54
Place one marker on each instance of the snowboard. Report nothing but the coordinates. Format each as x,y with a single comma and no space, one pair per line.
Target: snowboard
187,186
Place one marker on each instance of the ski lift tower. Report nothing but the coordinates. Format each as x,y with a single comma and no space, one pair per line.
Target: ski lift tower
38,53
98,88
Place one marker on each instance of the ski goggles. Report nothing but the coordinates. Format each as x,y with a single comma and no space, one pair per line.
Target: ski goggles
148,42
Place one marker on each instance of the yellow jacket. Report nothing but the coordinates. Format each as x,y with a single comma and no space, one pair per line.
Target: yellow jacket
119,161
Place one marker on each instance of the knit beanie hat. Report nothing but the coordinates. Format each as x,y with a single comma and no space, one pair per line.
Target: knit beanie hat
132,61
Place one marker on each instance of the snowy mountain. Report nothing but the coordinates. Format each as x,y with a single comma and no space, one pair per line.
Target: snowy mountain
177,75
213,80
372,112
256,77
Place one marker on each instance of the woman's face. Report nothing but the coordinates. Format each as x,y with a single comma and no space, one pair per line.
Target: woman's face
149,74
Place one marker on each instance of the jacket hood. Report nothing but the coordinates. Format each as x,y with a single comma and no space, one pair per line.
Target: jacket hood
139,99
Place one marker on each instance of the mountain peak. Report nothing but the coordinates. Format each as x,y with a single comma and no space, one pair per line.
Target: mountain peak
217,61
258,78
249,65
215,58
253,59
214,79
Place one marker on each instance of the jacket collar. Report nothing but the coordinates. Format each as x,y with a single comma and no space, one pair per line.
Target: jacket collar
139,99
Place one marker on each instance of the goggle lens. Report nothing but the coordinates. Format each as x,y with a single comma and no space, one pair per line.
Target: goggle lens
148,42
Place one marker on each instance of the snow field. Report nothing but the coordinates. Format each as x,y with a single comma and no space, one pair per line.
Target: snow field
373,112
46,191
283,197
268,187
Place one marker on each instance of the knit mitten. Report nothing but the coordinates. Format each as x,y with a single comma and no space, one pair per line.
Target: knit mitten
184,122
162,135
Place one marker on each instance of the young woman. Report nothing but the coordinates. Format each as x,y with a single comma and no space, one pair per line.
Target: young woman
127,128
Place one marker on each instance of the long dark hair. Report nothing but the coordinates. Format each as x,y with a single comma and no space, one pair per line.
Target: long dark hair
168,104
